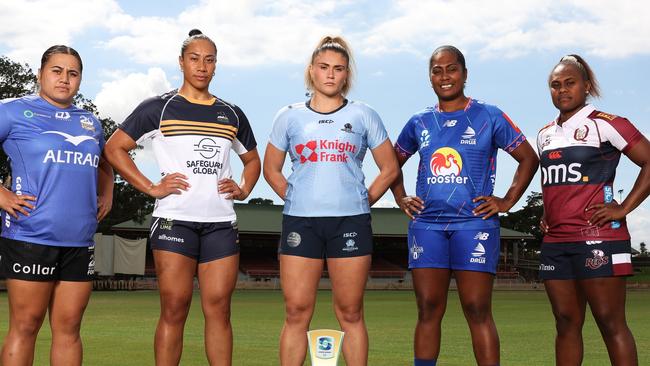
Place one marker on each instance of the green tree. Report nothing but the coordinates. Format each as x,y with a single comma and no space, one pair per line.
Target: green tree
260,201
643,250
527,219
17,80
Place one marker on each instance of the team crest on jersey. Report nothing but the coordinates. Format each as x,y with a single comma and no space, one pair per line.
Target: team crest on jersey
222,118
86,123
446,165
580,134
347,128
546,142
598,260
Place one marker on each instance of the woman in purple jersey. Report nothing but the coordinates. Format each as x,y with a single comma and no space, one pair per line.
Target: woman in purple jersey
585,256
52,277
201,245
469,248
342,238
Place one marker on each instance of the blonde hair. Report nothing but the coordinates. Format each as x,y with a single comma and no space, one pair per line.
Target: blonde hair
336,44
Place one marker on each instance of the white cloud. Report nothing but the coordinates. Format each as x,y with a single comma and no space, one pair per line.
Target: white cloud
30,27
638,222
119,97
247,32
514,28
261,32
385,203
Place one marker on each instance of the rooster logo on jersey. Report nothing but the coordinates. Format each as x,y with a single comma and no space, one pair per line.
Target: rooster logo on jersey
446,161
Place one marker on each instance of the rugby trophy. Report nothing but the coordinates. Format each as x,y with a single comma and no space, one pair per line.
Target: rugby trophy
325,346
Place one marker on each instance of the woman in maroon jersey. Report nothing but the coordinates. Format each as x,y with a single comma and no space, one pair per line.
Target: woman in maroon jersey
585,254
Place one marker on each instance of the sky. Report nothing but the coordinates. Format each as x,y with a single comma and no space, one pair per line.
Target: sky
130,52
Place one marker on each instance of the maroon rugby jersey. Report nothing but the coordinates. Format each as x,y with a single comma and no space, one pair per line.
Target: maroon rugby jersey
578,160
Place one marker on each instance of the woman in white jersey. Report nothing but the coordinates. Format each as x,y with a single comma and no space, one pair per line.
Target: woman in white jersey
194,228
327,206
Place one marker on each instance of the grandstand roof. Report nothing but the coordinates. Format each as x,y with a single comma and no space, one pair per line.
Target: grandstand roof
267,219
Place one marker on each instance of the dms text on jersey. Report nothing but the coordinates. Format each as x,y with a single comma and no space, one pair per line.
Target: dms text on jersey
578,165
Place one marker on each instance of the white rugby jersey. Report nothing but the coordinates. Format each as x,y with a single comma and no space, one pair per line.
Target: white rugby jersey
578,161
192,137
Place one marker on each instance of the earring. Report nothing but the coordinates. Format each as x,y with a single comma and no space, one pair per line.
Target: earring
213,74
587,92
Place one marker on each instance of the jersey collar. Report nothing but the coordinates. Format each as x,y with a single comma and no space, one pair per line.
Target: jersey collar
577,118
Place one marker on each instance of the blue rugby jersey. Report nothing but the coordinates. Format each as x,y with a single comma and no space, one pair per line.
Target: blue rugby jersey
327,151
54,155
458,152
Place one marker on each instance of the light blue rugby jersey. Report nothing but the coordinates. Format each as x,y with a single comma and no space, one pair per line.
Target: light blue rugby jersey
54,154
327,151
458,157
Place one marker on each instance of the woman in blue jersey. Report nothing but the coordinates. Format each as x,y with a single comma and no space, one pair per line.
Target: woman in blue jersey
585,255
327,206
194,227
455,225
61,188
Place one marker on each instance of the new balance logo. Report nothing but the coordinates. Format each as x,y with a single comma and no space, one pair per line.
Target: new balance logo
482,236
449,123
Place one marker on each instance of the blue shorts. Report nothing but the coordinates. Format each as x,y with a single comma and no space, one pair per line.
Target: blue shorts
585,259
326,237
202,241
463,250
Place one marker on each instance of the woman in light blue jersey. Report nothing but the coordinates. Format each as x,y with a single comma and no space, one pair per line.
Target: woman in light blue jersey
61,188
455,225
327,206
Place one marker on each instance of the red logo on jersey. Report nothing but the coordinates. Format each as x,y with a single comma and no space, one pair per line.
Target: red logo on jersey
307,151
553,155
598,260
580,134
446,161
334,151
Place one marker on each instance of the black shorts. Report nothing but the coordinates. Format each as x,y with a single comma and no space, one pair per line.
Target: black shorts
21,260
582,260
326,237
202,241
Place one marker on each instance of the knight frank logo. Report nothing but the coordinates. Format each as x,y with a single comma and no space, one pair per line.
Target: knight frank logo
598,260
336,151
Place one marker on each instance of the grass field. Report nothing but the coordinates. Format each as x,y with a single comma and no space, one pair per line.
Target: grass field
118,329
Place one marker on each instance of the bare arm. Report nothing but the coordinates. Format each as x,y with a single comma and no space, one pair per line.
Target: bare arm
386,161
250,175
606,212
104,189
116,152
409,204
273,162
528,163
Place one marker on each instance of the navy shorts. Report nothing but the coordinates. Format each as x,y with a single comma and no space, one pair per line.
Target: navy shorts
585,259
463,250
21,260
326,237
202,241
